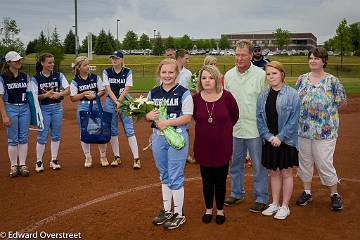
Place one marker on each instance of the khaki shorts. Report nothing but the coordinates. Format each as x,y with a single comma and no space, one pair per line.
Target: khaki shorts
321,153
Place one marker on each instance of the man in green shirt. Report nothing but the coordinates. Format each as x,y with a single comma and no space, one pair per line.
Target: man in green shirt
245,81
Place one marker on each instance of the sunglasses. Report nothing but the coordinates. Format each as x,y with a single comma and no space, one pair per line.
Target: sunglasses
257,50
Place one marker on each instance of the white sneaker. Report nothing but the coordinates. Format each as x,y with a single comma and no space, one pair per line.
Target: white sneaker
39,166
137,164
104,162
273,208
54,164
88,162
116,162
282,213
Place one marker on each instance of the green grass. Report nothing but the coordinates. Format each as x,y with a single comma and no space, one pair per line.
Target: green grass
144,68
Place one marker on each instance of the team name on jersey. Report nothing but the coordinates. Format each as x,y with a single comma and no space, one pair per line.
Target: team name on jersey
48,85
117,80
169,101
87,87
16,85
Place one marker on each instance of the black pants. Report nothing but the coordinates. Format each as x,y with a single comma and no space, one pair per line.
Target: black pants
214,178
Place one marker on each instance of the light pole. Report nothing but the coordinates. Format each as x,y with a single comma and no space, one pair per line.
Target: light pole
117,30
76,32
154,33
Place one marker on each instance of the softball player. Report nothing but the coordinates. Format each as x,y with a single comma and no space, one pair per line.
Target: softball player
84,88
15,112
169,161
51,87
117,81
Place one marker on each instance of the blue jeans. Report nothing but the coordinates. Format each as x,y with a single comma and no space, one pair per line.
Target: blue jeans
52,115
237,169
84,106
126,121
169,161
18,132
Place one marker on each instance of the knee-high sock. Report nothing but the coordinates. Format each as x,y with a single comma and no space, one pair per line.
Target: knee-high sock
23,149
40,148
115,145
13,155
178,196
86,149
54,149
167,197
134,146
102,150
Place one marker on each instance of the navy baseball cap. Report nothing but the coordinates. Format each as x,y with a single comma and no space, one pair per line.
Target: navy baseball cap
257,47
118,54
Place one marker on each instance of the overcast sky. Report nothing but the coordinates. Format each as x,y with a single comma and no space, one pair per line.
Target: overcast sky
197,18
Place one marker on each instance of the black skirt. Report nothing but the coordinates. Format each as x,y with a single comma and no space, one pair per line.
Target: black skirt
281,157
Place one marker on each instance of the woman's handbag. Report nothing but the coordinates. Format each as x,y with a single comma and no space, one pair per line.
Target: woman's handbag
95,125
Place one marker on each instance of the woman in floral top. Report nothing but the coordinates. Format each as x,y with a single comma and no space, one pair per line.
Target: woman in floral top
321,94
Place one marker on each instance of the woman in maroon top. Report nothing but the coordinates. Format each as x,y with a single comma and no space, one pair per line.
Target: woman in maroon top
215,114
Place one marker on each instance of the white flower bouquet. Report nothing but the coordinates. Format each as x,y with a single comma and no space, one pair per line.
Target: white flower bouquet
193,83
136,107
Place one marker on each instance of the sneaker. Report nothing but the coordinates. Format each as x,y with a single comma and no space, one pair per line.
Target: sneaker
272,208
116,162
39,166
175,222
14,171
104,162
248,162
336,202
230,201
54,164
190,159
162,217
282,213
137,164
257,207
88,162
24,171
304,199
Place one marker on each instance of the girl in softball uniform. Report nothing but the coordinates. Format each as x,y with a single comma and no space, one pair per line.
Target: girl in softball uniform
15,112
169,161
84,88
117,81
51,87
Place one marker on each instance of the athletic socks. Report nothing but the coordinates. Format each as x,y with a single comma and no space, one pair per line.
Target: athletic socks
167,197
40,148
102,150
115,145
54,149
23,149
307,191
134,146
86,149
13,154
178,196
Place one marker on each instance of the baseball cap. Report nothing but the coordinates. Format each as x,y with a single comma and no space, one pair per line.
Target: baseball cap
257,47
12,56
118,54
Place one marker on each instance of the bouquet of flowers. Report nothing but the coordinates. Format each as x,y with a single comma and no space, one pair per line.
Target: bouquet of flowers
193,83
175,139
137,107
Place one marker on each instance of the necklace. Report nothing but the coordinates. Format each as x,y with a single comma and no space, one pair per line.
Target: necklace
210,119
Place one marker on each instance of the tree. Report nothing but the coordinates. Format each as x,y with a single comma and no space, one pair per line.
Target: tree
69,43
342,41
55,39
355,38
158,46
170,43
84,44
112,41
103,44
130,41
212,43
329,44
31,47
9,40
144,42
52,45
186,42
224,42
282,38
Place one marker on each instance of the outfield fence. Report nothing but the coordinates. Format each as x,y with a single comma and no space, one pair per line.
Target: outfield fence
144,75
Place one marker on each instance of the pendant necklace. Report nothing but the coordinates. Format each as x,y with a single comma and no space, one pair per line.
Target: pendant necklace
210,119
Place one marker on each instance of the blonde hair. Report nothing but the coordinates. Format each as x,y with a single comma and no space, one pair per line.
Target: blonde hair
210,60
167,61
277,65
245,44
215,73
78,62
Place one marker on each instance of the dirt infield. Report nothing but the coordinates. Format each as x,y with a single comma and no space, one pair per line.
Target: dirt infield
119,203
